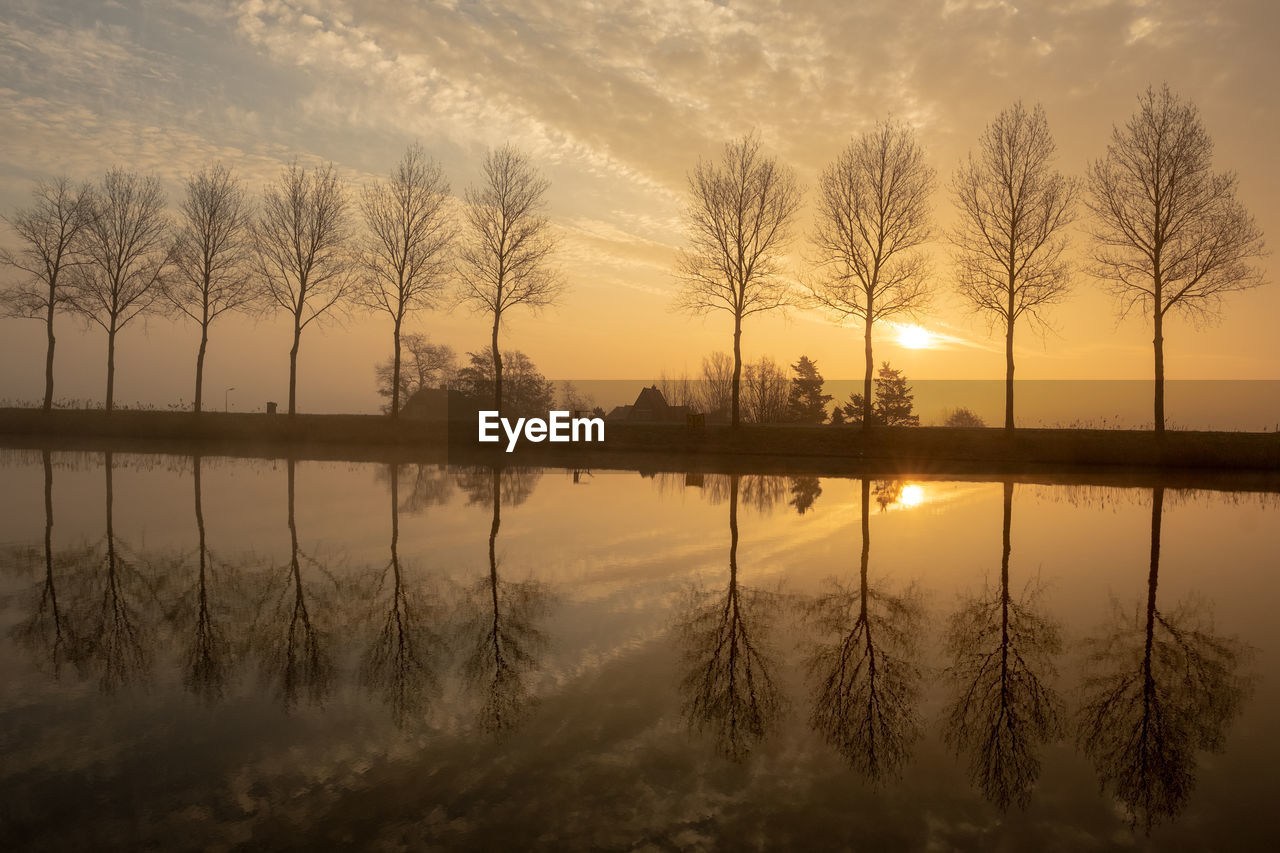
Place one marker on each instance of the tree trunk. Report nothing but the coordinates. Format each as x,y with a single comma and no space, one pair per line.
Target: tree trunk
1008,377
293,367
111,367
1158,343
1157,510
48,356
497,367
395,371
204,344
737,370
866,379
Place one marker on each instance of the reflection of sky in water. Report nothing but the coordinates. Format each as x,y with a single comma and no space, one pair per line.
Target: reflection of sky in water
608,567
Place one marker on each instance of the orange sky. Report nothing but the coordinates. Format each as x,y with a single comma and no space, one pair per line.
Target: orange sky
615,101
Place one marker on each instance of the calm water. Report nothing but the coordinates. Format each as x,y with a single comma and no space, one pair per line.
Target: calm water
223,653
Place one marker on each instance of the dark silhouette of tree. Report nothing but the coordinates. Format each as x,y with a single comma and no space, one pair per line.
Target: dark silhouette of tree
429,485
502,637
806,403
1169,233
1002,649
505,257
302,251
212,271
740,217
873,218
48,634
838,417
127,251
728,689
298,660
50,232
715,391
399,663
866,679
804,491
963,417
526,391
1158,687
765,392
404,256
1014,209
423,365
894,403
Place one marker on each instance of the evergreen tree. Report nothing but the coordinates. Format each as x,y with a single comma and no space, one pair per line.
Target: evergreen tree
807,403
894,400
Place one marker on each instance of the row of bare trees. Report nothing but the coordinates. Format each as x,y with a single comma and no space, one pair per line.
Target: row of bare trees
1167,232
110,253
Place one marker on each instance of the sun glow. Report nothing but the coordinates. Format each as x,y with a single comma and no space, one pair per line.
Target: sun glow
914,337
912,495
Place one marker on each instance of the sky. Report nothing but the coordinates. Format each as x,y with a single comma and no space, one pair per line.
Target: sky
615,101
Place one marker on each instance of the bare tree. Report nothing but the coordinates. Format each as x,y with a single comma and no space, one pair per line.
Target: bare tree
211,256
873,218
766,392
504,260
404,257
1014,207
740,217
427,365
49,231
1169,233
127,248
715,391
302,255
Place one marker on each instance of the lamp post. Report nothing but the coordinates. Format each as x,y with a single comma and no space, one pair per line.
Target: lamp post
224,398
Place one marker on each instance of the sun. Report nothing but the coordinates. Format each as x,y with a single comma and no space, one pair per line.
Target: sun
912,495
914,337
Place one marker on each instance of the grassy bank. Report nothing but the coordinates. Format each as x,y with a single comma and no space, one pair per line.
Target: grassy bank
921,449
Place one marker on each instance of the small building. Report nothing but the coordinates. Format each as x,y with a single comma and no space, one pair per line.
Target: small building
650,407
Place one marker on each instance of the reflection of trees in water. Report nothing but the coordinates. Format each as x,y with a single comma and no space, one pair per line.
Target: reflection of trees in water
1002,712
398,664
728,688
47,634
517,484
502,638
297,659
428,485
1159,686
804,491
867,680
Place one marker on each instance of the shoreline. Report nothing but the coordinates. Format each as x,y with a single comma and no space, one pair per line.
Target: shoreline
1236,460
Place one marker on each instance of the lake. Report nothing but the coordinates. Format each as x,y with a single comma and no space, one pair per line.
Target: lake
214,653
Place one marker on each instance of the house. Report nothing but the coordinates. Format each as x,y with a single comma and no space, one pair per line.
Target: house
650,407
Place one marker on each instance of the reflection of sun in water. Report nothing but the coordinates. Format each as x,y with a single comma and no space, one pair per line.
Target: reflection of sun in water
914,337
912,495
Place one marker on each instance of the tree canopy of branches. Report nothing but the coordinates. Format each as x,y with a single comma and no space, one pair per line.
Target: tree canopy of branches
404,256
505,257
806,403
1008,243
50,232
740,217
715,391
873,219
302,250
765,397
423,365
529,393
1169,234
212,273
127,251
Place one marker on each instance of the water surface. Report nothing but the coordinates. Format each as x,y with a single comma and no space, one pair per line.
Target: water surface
215,653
